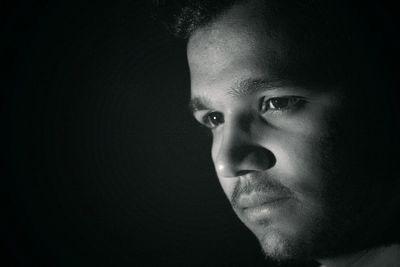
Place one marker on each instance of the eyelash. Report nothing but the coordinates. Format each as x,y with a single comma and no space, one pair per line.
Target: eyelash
207,117
295,102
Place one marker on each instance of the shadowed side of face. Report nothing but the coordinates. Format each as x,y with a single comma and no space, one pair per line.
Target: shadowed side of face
274,139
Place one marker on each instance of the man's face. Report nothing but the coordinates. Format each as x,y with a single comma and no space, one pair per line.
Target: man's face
272,138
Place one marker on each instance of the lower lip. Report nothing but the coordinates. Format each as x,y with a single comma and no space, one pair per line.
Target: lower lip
265,210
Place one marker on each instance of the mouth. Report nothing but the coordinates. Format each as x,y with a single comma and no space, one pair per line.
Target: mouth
255,200
258,206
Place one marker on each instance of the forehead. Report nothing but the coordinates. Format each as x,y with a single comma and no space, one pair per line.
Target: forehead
236,46
240,29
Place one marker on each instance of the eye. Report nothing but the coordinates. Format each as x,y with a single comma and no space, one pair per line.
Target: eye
280,103
213,119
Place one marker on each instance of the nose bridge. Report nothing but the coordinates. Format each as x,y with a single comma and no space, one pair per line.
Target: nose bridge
233,142
238,152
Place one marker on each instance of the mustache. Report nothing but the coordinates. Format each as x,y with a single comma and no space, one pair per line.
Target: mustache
258,183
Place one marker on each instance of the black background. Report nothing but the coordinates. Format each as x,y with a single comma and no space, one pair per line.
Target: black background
104,165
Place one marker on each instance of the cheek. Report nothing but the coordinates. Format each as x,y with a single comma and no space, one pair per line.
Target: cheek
299,147
214,151
296,156
300,162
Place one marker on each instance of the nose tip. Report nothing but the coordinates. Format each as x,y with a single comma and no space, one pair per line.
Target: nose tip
241,160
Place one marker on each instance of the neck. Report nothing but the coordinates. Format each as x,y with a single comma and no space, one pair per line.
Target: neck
388,256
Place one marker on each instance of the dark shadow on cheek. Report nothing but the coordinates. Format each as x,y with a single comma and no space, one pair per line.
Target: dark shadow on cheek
359,182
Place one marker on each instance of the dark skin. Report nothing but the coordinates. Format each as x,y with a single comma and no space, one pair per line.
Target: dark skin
295,158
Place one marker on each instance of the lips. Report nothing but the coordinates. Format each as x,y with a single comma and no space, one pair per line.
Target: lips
254,200
259,207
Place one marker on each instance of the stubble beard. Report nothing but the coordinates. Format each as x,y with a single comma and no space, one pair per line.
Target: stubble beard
335,228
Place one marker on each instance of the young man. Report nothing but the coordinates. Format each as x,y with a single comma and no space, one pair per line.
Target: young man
299,98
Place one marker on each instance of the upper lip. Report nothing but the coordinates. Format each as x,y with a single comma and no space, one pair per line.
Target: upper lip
257,199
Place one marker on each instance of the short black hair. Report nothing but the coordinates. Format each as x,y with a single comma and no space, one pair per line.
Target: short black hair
182,18
348,38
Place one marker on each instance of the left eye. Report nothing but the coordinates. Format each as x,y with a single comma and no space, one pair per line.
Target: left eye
280,103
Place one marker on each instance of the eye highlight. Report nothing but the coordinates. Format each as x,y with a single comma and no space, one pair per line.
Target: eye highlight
280,104
213,119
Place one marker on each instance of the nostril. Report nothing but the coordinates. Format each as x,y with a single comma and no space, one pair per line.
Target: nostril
246,160
260,159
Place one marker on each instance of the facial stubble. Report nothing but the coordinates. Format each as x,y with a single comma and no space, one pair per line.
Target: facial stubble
331,230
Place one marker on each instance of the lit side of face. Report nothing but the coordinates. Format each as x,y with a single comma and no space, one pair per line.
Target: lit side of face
268,134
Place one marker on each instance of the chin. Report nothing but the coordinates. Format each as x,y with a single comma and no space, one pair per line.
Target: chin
281,247
298,240
290,235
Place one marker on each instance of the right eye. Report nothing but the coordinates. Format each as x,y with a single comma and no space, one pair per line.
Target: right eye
213,119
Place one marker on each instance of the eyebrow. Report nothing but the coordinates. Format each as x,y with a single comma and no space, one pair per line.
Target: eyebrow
199,103
243,88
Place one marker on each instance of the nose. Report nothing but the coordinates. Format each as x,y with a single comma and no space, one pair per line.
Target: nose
238,152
